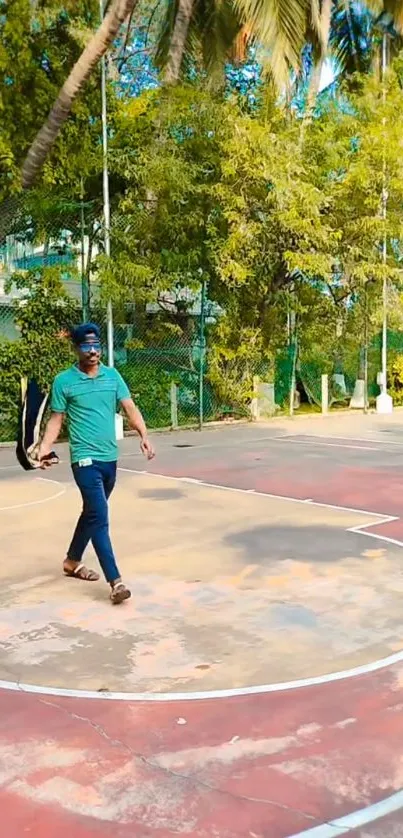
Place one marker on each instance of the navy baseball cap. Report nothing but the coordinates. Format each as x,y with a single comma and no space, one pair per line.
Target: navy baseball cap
80,333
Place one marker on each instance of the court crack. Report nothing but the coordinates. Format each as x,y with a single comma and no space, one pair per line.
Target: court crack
193,780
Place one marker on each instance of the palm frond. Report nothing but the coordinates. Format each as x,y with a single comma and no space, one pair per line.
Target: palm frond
213,29
165,34
219,25
351,37
394,8
280,26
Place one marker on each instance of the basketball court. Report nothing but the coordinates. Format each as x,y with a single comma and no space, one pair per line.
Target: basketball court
253,686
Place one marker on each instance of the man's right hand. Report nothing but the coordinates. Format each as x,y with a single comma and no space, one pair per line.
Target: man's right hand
147,448
47,457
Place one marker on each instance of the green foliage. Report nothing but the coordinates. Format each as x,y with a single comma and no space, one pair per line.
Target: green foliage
43,312
284,228
211,192
13,363
39,43
276,217
233,360
166,148
149,387
395,379
284,224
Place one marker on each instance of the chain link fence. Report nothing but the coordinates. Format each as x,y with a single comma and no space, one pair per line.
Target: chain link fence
167,376
169,361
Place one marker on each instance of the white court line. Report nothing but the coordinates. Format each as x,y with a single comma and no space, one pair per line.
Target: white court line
41,500
360,531
382,441
332,829
255,440
371,513
50,480
193,446
235,692
327,444
362,817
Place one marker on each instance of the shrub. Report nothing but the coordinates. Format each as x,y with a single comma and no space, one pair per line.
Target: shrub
395,379
149,387
42,314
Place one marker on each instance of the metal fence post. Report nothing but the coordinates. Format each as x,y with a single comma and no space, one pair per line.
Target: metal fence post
293,374
365,350
107,208
292,345
202,354
325,393
84,283
173,397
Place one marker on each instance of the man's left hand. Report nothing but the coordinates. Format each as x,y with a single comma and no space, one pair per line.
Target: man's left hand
147,448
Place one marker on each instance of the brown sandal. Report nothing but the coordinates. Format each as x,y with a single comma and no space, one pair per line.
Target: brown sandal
119,593
82,572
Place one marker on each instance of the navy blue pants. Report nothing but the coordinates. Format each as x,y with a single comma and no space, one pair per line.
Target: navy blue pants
96,483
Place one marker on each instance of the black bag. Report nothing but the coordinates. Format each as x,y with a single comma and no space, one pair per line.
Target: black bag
31,414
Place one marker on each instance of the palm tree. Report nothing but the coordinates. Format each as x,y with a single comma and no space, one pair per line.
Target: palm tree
393,8
352,35
194,29
178,37
356,33
211,29
341,28
320,54
96,48
281,26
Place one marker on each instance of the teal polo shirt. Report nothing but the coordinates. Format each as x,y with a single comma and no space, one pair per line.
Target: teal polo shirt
90,405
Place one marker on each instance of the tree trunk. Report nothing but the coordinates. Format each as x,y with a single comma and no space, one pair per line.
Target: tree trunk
178,41
89,58
325,19
351,34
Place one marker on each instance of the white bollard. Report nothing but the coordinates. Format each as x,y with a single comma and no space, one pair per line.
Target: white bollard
119,427
384,403
357,400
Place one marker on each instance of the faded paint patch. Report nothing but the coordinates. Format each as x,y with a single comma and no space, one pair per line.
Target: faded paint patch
33,582
343,778
227,753
129,793
374,554
344,723
284,580
25,757
33,650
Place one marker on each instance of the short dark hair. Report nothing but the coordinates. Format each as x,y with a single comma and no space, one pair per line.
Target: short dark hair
81,332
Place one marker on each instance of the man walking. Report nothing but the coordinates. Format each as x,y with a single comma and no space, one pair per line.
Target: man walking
88,395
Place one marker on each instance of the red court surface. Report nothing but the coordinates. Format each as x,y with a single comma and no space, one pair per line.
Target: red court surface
317,759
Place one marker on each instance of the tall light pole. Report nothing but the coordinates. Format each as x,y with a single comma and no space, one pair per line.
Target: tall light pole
384,243
84,278
384,402
107,208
